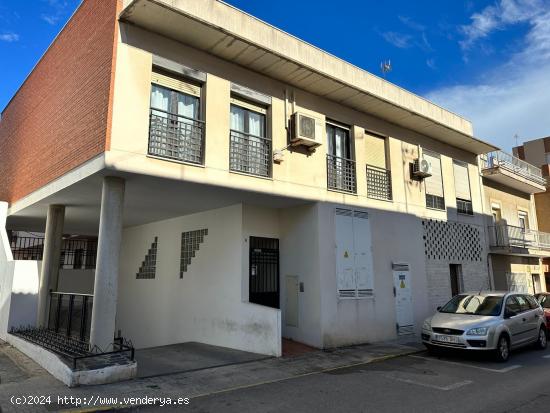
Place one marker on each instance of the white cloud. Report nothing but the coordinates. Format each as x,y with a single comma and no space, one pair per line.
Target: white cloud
431,63
50,19
503,107
407,21
499,15
58,9
9,37
399,40
513,98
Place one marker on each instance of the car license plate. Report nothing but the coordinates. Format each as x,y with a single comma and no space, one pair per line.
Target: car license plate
446,339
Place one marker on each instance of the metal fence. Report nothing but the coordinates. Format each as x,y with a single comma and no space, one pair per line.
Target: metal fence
379,183
512,164
71,314
176,137
76,253
79,254
27,248
341,174
249,154
511,236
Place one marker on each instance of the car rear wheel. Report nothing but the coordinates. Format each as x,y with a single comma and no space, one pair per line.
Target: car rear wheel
503,349
542,341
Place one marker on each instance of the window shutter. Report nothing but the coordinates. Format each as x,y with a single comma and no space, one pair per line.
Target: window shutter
376,150
176,84
462,181
248,105
434,183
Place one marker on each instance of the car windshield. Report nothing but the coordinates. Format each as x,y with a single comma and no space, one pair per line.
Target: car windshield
544,300
474,304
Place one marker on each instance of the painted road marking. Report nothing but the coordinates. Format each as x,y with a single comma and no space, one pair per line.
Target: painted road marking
503,370
452,386
546,357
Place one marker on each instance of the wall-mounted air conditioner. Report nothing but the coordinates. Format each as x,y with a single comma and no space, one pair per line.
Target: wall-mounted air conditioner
422,168
306,130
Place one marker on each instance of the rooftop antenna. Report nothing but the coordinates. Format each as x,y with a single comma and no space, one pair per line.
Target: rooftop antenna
516,137
385,67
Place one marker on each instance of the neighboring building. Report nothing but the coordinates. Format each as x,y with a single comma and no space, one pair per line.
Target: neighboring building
261,188
516,247
537,152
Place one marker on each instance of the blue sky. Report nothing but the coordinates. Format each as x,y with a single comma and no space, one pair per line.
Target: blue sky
486,60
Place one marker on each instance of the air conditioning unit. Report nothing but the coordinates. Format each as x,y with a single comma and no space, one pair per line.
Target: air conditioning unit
306,130
422,168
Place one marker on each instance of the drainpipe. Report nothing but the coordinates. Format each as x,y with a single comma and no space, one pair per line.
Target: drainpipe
484,212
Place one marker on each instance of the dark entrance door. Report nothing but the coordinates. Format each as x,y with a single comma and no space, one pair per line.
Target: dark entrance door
264,271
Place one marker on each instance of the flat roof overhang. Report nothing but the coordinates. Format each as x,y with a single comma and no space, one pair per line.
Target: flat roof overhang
226,32
520,252
512,180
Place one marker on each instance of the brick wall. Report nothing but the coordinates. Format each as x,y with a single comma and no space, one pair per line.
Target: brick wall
60,117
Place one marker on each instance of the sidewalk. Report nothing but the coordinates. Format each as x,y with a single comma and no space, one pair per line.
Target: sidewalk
36,382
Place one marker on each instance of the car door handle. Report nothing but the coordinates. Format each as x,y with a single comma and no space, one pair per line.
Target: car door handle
524,320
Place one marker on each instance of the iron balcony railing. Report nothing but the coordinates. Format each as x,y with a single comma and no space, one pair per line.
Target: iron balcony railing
511,163
379,183
71,314
76,253
176,137
249,154
510,236
341,174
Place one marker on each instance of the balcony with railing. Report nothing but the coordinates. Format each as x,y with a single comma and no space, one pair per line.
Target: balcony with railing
176,137
341,174
249,154
379,183
518,238
513,172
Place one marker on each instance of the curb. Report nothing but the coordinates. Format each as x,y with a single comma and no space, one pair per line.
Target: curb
247,386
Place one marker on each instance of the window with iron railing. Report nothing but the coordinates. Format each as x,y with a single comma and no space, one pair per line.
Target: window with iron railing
379,183
341,174
249,145
175,130
464,206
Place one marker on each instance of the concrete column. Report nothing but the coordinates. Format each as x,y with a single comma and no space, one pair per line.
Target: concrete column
106,273
51,258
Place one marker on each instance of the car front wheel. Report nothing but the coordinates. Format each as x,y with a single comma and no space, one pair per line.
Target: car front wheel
542,341
503,349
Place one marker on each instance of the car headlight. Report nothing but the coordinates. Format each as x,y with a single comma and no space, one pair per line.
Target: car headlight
427,325
479,331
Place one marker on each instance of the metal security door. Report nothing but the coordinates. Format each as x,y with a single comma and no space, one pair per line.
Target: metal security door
403,299
264,271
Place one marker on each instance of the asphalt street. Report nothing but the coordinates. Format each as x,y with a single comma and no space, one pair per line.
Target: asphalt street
415,383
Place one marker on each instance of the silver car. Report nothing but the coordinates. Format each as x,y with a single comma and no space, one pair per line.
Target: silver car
486,321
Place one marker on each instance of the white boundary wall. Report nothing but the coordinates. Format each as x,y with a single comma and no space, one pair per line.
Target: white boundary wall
18,284
207,305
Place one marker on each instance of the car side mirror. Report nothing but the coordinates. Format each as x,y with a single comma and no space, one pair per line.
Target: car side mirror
438,308
509,314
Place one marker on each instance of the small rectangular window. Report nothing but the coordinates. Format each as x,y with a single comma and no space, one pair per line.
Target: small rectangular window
523,218
434,184
462,188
